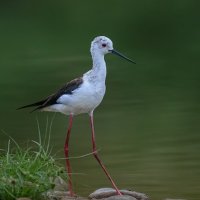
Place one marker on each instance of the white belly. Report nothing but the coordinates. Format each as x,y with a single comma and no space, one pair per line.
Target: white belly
83,100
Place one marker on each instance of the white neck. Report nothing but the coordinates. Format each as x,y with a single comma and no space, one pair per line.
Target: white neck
99,66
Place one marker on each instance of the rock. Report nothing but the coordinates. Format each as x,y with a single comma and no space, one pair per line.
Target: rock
137,195
102,193
110,194
118,197
60,184
23,198
62,195
56,195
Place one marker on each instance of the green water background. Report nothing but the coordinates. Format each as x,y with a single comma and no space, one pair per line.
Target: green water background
148,125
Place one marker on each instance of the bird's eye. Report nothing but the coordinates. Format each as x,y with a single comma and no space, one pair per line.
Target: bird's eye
103,45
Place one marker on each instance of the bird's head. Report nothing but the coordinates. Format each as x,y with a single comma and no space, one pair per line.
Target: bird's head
103,45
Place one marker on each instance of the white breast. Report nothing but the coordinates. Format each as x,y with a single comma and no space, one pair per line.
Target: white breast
83,100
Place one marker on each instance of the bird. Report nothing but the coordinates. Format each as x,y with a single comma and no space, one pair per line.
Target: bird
83,95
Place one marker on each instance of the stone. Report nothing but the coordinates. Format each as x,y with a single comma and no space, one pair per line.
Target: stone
110,194
62,195
117,197
102,193
23,198
137,195
56,195
60,184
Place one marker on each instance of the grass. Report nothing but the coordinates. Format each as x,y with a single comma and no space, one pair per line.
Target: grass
28,173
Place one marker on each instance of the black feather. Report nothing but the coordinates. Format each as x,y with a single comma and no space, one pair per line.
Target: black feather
32,105
52,99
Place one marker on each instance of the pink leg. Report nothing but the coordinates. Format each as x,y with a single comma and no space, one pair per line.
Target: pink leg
66,150
97,157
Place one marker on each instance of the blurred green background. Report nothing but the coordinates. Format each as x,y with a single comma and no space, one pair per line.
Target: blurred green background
148,124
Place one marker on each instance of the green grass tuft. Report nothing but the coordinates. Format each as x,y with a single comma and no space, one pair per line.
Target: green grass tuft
27,173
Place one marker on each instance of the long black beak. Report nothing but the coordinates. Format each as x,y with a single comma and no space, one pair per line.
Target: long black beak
121,55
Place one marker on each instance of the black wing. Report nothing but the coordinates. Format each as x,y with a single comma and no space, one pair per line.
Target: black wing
52,99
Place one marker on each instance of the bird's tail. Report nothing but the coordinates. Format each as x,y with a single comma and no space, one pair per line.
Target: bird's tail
39,103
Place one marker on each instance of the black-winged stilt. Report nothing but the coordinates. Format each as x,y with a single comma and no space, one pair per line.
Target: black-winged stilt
82,95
